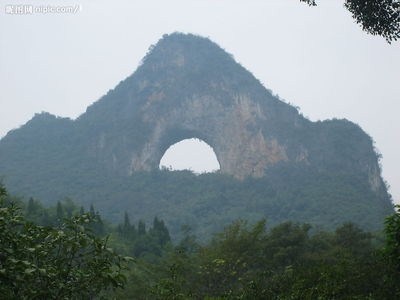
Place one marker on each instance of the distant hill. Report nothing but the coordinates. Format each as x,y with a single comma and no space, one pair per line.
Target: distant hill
274,162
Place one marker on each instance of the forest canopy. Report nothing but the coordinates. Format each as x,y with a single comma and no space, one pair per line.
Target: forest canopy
79,256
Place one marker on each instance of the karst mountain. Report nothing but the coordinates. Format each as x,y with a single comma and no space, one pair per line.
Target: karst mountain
274,163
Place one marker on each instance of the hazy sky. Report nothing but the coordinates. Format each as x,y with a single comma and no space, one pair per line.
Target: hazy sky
193,154
315,58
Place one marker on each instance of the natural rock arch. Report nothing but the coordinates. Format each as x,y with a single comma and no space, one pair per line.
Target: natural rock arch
232,131
188,87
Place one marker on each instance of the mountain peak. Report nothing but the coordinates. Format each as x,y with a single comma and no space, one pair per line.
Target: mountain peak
189,87
184,38
179,50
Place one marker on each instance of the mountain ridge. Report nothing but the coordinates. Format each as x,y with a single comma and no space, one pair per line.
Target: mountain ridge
186,86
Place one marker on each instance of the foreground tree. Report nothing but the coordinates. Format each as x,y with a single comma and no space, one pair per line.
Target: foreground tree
377,17
67,262
391,253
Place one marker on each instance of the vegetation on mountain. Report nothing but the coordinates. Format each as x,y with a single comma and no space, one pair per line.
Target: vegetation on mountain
208,202
326,173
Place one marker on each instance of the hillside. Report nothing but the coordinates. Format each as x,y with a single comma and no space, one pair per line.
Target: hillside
274,162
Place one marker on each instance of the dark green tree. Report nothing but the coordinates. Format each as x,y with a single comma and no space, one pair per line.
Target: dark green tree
351,238
92,212
69,207
31,208
377,17
141,228
127,230
46,220
391,253
59,211
66,262
127,222
160,232
392,231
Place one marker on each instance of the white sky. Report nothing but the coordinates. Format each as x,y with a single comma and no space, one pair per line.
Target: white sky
315,58
190,154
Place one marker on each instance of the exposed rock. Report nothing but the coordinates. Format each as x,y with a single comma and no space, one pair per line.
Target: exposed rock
189,87
186,87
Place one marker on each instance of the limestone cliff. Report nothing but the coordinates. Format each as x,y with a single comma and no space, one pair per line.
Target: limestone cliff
189,87
186,86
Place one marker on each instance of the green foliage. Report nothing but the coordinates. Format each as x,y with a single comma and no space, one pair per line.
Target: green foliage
377,17
391,252
63,262
392,231
285,262
142,243
332,174
244,261
297,193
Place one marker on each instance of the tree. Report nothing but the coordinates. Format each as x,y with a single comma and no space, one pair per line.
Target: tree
392,231
59,211
67,262
69,207
160,232
141,228
91,210
391,253
127,222
377,17
352,238
31,208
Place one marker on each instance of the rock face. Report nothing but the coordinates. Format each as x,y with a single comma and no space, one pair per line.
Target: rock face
186,87
232,130
189,87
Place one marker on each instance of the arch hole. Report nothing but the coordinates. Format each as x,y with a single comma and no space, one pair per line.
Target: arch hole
190,154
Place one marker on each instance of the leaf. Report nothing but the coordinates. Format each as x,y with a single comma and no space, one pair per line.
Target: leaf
29,271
